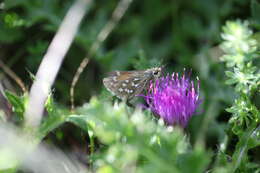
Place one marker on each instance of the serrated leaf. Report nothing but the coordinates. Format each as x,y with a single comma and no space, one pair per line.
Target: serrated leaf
49,104
230,81
254,140
231,110
229,74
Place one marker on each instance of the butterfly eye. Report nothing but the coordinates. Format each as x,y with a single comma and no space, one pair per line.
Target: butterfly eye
156,73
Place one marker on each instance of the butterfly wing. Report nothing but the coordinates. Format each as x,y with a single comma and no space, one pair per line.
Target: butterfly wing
126,84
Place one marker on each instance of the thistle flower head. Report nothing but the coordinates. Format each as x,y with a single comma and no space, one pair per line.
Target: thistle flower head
173,98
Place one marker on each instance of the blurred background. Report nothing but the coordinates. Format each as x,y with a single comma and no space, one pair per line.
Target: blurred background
176,33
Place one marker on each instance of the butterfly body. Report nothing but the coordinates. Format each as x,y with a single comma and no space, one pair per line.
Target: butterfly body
128,84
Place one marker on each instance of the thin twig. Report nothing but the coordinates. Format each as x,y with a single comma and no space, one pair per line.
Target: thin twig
13,76
118,13
52,61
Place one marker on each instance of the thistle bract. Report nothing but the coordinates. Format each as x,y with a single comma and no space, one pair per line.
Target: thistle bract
173,98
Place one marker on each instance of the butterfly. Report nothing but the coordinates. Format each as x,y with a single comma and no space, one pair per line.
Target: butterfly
128,84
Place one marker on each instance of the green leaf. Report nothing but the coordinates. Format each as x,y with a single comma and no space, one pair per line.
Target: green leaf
57,116
56,119
49,104
50,123
254,140
18,103
82,122
229,74
197,161
79,120
11,170
230,81
246,141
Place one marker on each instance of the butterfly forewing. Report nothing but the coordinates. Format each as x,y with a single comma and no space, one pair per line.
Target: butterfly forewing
127,84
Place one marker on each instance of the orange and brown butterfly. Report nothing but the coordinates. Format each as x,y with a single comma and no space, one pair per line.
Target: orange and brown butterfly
128,84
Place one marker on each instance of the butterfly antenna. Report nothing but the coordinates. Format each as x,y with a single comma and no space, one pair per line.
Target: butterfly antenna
163,67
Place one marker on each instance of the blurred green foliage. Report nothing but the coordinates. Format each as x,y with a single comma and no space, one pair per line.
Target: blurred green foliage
241,55
180,34
167,32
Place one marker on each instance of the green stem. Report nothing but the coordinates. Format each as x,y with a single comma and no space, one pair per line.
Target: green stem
92,145
222,149
242,147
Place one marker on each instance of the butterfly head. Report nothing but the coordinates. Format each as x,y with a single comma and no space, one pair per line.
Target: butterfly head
154,72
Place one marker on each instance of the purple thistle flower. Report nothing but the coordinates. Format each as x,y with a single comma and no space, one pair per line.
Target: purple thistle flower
173,98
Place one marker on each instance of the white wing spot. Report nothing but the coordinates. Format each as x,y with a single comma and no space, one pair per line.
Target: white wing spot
133,84
136,85
126,81
120,89
123,84
131,91
126,90
136,79
117,73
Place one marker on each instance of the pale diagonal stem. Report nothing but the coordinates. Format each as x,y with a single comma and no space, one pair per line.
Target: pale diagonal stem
118,13
52,61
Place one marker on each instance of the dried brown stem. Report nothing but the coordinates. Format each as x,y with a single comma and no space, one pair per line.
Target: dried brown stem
13,76
117,14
